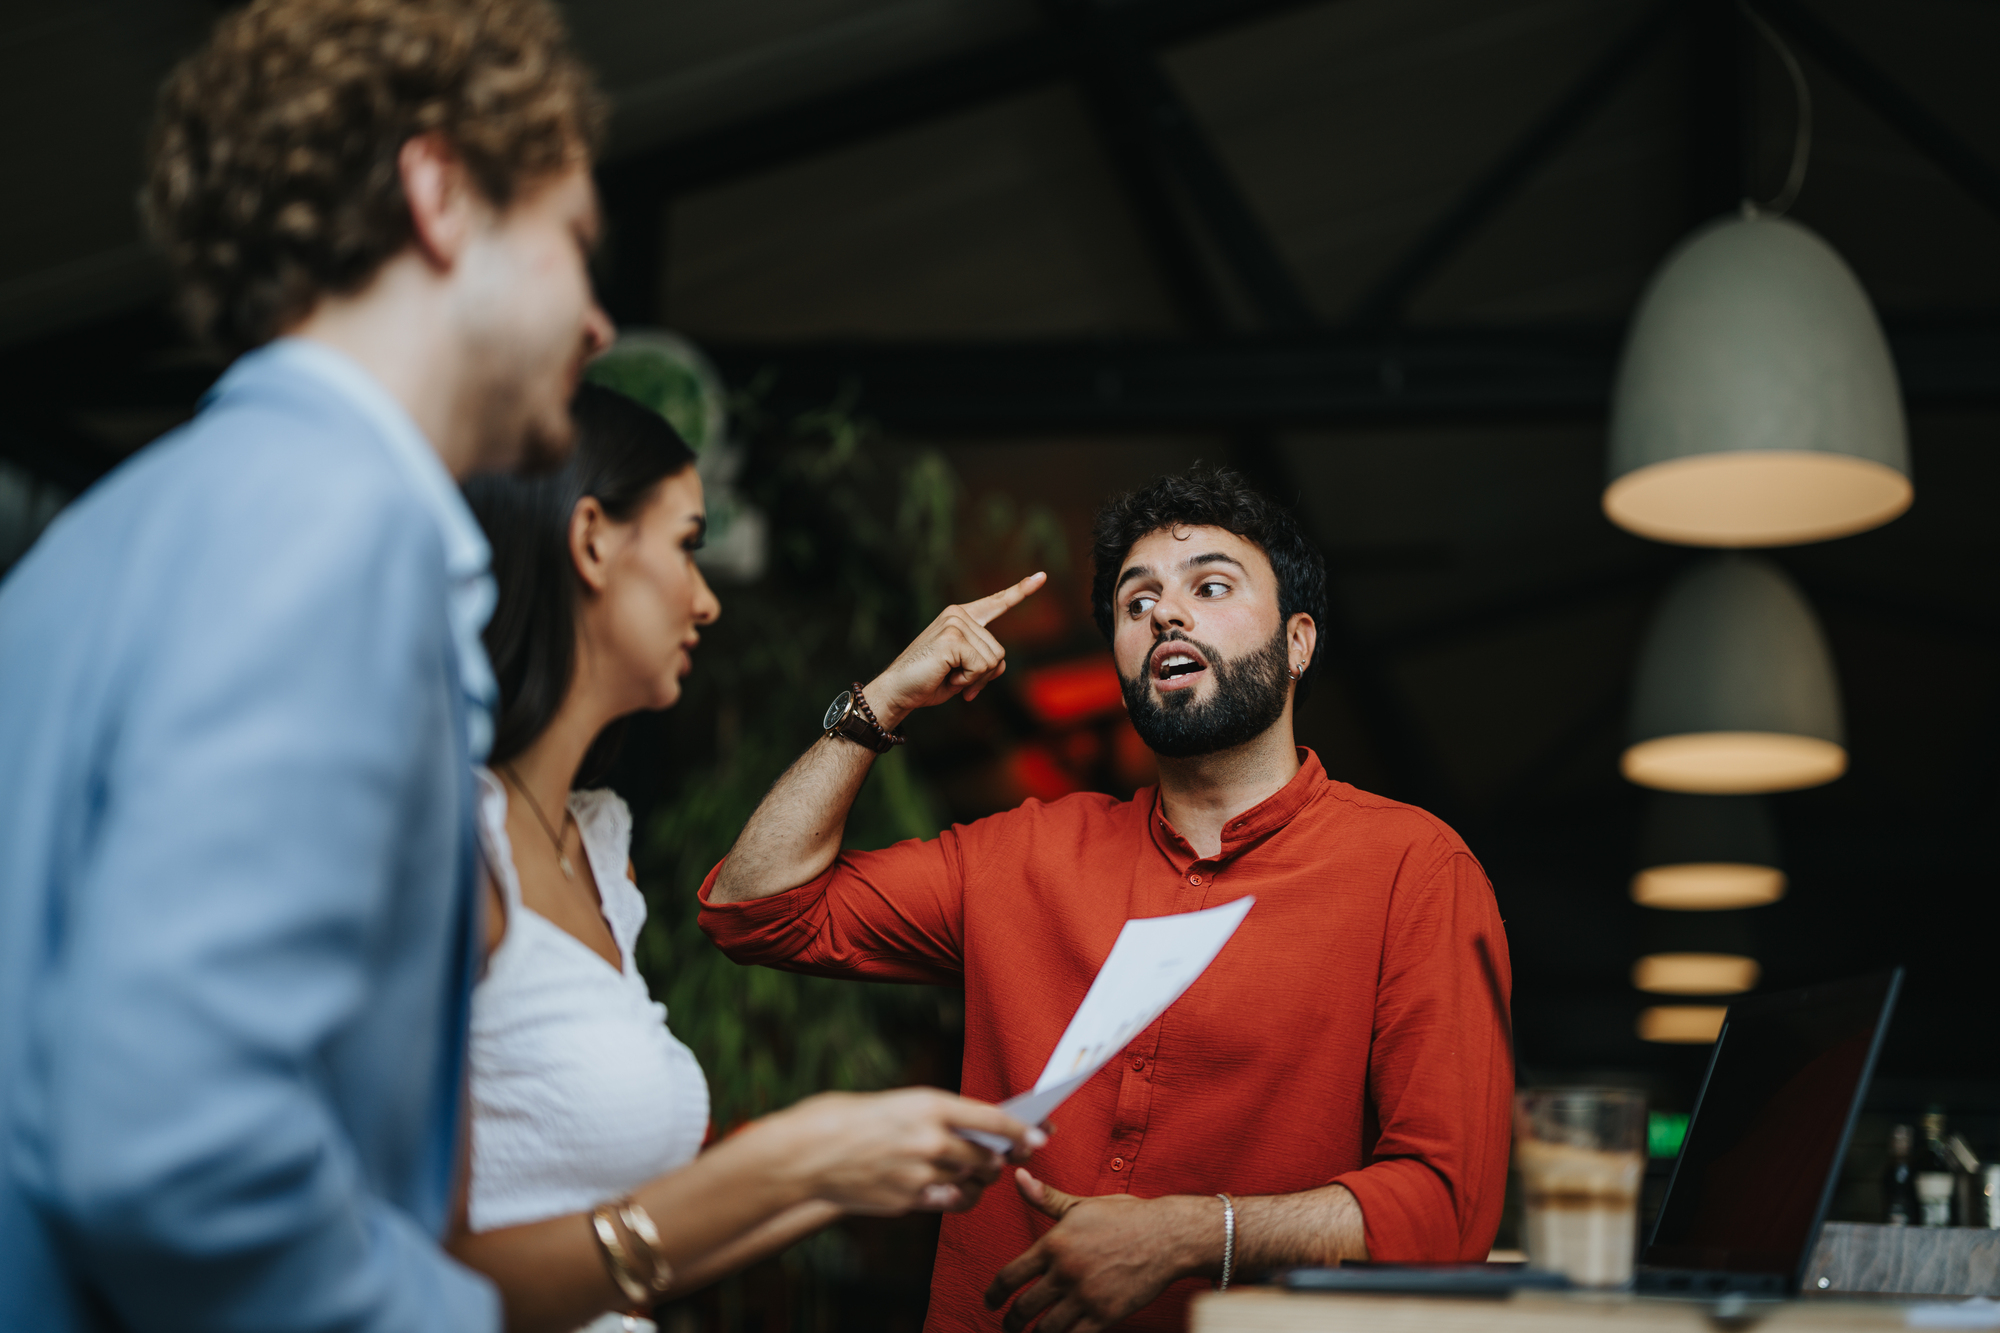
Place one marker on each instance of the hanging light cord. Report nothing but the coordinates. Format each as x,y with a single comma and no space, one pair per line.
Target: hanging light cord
1795,179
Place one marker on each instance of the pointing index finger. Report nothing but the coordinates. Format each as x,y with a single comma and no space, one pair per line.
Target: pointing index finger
988,608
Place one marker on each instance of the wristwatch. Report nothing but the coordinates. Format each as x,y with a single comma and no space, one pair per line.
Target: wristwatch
849,715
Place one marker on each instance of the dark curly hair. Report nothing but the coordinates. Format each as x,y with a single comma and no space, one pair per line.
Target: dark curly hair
272,174
1211,497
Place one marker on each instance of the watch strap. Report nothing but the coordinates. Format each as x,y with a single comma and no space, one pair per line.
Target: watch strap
859,725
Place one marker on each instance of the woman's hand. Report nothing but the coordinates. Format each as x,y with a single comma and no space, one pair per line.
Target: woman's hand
891,1152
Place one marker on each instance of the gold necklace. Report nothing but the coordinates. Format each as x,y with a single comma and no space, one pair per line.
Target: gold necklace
555,839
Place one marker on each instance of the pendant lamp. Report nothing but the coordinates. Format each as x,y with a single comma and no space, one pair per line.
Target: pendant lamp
1707,853
1695,973
1736,691
1756,402
1705,953
1702,956
1682,1024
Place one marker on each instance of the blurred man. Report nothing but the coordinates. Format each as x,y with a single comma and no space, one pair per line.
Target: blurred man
240,681
1341,1073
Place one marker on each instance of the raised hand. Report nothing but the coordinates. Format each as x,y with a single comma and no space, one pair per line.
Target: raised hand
892,1152
955,655
796,832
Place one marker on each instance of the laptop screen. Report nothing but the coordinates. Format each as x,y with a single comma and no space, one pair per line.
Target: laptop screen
1769,1129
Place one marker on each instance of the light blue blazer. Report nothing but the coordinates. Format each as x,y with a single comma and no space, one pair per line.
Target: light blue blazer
237,899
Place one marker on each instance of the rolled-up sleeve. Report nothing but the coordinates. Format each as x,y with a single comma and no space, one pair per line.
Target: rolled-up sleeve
891,915
1441,1074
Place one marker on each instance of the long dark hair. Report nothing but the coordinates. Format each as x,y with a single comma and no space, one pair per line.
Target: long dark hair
623,451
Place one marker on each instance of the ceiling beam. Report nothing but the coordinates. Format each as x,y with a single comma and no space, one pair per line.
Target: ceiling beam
1166,158
1212,190
1387,302
833,120
1327,378
1133,78
1322,379
1128,140
1888,99
1218,384
896,101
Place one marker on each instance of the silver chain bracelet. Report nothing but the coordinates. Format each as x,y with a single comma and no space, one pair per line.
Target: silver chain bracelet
1228,1241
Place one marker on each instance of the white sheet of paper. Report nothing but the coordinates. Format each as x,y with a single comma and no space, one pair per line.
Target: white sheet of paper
1153,962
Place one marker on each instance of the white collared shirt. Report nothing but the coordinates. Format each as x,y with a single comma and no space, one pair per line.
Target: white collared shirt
467,556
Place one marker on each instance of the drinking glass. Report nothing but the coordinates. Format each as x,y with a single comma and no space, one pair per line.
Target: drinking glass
1581,1153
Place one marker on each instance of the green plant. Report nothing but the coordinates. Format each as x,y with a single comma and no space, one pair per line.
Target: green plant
863,536
861,559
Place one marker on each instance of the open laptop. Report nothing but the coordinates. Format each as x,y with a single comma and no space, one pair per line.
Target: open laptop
1770,1127
1756,1172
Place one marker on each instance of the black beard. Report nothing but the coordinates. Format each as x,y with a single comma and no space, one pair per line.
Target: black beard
1249,698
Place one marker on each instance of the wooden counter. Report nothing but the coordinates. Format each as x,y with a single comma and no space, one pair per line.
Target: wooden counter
1266,1310
1906,1261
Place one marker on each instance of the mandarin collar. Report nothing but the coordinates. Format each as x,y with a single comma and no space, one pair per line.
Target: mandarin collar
1259,821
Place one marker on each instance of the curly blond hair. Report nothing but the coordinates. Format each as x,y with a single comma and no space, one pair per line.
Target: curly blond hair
272,174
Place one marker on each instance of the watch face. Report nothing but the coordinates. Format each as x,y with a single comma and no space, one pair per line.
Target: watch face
837,709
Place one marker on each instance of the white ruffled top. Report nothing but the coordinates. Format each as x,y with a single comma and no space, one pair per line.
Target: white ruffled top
579,1091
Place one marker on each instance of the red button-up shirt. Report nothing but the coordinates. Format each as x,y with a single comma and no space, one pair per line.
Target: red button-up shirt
1352,1031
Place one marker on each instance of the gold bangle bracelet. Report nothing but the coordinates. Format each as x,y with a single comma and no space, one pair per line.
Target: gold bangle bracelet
640,1223
615,1259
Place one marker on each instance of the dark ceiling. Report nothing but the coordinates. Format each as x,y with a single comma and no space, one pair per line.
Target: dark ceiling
1378,253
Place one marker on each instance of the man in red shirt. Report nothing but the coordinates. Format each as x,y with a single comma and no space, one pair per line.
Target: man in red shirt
1341,1072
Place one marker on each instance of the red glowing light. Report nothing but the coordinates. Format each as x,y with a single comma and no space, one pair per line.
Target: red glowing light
1038,773
1072,691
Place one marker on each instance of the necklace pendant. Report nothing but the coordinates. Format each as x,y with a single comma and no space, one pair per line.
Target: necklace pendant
569,871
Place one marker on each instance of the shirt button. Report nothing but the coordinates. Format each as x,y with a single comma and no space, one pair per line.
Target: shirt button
1138,1062
1194,879
1118,1164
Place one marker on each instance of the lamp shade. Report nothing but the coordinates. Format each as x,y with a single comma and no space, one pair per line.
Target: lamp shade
1756,402
1736,691
1682,1024
1707,853
1695,973
1696,953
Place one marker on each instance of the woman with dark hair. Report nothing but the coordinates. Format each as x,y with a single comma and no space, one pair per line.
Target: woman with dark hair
587,1113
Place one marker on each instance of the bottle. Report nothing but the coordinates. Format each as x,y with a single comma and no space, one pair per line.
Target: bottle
1966,1188
1934,1197
1936,1172
1899,1182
